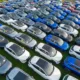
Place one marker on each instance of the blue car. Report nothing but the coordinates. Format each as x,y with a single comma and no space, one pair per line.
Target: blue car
50,23
61,12
58,15
9,9
34,17
56,42
72,64
65,10
74,19
75,15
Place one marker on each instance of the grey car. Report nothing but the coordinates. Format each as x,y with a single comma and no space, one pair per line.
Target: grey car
62,34
8,31
36,32
5,65
14,16
3,41
27,21
26,40
43,27
71,23
18,74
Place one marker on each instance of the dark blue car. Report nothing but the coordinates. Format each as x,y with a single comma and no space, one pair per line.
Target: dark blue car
74,19
34,17
50,23
72,64
56,42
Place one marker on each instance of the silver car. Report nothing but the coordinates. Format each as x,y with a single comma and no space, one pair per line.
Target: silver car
26,40
5,65
36,32
18,74
8,31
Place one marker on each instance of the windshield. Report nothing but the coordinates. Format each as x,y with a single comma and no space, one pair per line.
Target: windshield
7,30
2,60
45,66
50,51
26,38
57,40
17,49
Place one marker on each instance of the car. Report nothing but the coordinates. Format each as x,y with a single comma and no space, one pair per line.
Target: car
72,64
77,40
70,30
69,77
8,31
44,68
3,11
19,75
3,41
34,17
21,13
19,25
13,16
26,40
62,34
36,32
65,9
74,19
43,27
50,23
75,50
56,42
49,52
74,14
6,19
71,23
61,12
58,15
17,52
54,18
5,65
9,9
27,21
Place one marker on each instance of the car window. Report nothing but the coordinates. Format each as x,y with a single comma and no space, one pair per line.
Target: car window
42,50
10,51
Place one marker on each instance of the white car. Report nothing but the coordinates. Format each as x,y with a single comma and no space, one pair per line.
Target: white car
69,29
6,19
75,50
17,52
26,40
44,68
69,77
18,74
19,25
49,52
36,32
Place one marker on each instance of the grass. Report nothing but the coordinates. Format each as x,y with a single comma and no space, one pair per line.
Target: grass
32,52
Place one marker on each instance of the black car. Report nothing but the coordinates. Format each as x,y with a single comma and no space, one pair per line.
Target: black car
62,34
